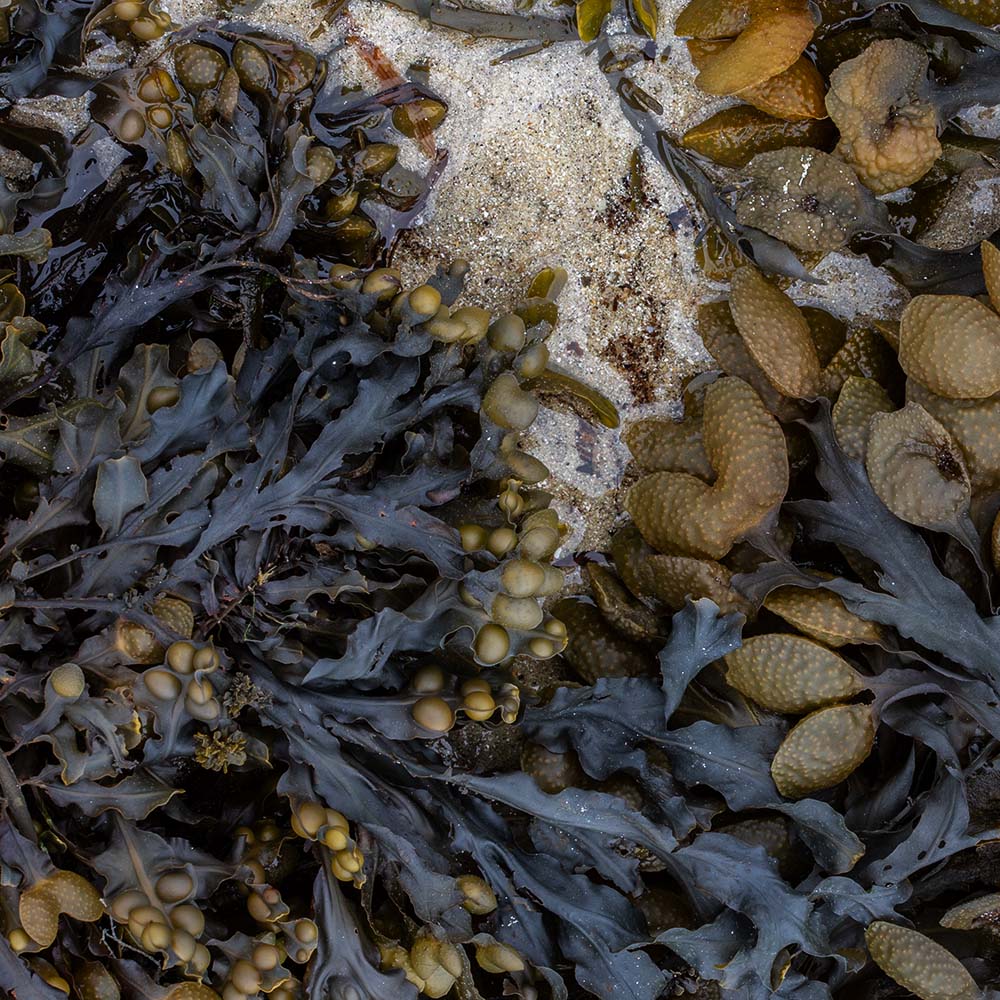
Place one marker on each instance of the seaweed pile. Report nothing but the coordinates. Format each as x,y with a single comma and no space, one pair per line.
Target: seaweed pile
294,701
857,100
831,492
267,532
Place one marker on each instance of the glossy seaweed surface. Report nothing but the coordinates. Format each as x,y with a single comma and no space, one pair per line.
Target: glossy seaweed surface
294,700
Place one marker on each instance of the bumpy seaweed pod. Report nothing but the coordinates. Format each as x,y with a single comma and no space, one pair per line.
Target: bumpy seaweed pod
919,964
713,18
788,673
888,129
199,67
722,339
991,271
776,334
659,444
823,749
680,514
552,772
140,645
822,615
595,648
41,904
796,94
951,345
624,611
858,401
974,914
672,579
917,470
775,834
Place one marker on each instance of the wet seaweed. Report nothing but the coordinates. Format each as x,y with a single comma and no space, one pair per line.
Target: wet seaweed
294,704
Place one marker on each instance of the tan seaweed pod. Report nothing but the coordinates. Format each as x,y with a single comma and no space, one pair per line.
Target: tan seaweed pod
769,832
916,468
829,332
975,426
864,354
552,772
623,611
919,964
39,911
821,614
712,18
823,749
192,991
772,41
776,334
991,271
175,614
676,513
951,345
973,913
773,833
659,444
722,340
746,447
672,579
62,892
680,515
93,982
789,673
859,400
797,94
793,95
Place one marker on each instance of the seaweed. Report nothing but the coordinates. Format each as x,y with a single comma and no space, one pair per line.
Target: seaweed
287,663
639,109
